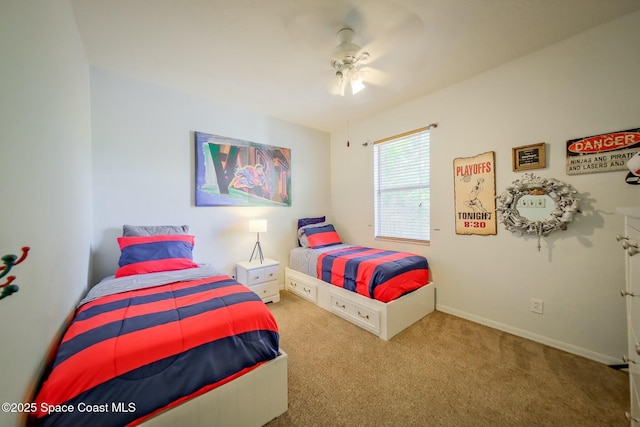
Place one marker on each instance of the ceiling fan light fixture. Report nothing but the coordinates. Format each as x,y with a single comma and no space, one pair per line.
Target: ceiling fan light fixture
357,83
338,83
346,62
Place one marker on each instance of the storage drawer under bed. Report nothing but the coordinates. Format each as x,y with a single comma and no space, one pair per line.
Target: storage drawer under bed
305,290
355,313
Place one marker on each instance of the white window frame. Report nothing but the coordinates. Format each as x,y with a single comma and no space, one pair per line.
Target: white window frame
403,176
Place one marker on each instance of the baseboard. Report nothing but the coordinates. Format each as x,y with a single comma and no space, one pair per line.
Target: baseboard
579,351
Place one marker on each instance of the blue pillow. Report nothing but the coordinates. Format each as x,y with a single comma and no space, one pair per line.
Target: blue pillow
308,221
151,254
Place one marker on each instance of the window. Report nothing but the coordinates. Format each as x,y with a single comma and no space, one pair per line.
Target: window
402,187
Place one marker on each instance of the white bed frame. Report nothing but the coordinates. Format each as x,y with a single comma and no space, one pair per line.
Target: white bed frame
250,400
382,319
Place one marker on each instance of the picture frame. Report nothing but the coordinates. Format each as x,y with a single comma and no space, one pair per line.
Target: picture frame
234,172
528,157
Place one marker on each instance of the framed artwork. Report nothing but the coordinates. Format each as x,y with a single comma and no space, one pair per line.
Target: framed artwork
475,194
233,172
529,157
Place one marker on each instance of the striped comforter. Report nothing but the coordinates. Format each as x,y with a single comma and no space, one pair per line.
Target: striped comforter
131,354
374,273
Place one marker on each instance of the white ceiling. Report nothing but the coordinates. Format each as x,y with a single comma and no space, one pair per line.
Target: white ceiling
272,56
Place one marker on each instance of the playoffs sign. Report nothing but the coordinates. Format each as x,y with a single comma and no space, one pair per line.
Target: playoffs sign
475,194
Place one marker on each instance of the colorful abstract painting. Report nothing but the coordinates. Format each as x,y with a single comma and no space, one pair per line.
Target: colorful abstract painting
233,172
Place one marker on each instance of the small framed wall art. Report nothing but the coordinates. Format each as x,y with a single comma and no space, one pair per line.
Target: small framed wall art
529,157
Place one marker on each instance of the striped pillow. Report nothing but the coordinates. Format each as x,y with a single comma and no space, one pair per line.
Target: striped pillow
308,221
151,254
320,237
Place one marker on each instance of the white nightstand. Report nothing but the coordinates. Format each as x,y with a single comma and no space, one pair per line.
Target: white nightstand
261,278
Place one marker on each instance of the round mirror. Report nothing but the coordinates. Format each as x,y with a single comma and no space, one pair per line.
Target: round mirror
535,205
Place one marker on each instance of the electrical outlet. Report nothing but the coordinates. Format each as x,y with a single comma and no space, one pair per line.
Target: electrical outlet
537,305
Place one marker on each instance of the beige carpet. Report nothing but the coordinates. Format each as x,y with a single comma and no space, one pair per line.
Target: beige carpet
441,371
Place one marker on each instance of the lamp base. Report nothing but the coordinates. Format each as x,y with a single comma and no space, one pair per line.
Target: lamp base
257,248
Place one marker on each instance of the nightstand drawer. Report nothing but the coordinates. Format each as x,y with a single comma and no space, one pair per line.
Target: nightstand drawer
255,276
271,273
265,290
259,275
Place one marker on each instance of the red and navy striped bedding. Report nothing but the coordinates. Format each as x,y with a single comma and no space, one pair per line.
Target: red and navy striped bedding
128,356
374,273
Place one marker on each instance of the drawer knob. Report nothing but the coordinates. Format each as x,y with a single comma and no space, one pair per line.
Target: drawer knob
366,316
631,248
628,294
307,290
340,306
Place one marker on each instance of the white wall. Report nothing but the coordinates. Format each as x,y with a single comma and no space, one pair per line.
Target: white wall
143,163
143,168
45,143
586,85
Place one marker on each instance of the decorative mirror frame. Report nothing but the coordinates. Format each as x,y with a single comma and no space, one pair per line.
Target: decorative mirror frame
561,193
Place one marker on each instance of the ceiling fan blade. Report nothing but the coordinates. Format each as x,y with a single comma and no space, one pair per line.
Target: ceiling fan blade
316,23
375,77
400,33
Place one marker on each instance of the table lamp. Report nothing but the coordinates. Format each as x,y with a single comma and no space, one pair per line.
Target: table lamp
257,226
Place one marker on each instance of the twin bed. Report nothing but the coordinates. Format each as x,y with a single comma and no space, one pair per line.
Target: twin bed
383,292
169,342
165,333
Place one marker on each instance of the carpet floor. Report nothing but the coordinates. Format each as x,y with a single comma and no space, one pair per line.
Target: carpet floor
441,371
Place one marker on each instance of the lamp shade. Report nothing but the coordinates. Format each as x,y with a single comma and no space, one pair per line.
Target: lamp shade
258,225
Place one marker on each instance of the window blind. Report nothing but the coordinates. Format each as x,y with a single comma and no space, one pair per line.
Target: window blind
402,186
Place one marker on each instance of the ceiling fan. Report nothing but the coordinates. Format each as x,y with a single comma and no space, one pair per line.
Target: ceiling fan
347,60
385,30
